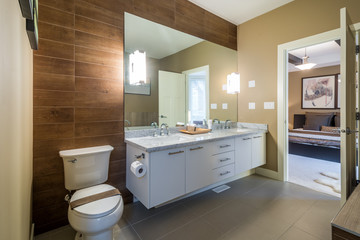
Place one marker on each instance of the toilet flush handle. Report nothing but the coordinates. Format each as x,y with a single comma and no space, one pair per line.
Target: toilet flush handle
73,161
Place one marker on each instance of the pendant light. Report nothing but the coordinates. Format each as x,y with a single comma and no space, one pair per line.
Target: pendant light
305,64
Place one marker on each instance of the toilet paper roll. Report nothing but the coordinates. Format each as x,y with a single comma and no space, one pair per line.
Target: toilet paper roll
138,169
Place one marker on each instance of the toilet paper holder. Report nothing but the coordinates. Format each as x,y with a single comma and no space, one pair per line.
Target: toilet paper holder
140,156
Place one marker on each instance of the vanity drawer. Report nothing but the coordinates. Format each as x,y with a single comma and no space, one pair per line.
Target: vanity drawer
222,159
221,146
222,173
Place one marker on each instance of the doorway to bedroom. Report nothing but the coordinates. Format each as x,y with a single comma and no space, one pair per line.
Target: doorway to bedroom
314,117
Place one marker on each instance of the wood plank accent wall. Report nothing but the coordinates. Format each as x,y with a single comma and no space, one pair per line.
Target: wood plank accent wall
78,85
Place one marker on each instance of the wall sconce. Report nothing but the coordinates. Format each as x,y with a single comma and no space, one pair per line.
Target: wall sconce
137,71
233,83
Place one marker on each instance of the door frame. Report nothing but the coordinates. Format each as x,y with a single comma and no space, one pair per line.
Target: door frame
282,92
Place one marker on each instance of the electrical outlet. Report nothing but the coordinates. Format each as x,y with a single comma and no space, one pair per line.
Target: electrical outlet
251,83
224,87
251,105
213,106
269,105
224,106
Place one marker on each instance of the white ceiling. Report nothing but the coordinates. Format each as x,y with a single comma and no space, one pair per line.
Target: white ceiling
324,55
239,11
157,40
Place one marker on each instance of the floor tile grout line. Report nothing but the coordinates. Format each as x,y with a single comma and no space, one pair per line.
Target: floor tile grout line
161,211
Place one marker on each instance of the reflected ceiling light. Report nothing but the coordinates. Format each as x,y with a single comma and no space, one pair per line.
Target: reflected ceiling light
233,83
137,68
305,64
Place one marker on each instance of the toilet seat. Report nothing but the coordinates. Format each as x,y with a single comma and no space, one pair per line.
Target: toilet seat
98,208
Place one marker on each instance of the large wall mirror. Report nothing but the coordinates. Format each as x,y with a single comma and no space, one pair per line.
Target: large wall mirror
172,77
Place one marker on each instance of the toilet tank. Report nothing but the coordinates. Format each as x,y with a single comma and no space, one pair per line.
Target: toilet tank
85,167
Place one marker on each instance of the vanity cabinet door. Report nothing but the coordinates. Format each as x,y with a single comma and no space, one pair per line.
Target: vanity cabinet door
167,175
243,156
198,167
258,150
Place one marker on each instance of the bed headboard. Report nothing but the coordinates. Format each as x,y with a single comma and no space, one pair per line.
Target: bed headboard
299,120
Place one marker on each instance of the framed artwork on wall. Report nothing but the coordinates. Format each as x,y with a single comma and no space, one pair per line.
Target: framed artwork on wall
318,92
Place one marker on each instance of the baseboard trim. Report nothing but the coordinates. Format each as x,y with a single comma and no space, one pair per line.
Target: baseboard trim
32,231
268,173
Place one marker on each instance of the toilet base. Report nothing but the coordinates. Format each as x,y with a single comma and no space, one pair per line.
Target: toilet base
106,235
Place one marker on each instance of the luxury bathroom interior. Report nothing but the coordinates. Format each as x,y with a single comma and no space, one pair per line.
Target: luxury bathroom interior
171,119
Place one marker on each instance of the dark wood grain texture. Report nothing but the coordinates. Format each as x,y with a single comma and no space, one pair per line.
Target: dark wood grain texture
78,86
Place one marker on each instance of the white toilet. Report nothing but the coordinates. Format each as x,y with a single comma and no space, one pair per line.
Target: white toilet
85,170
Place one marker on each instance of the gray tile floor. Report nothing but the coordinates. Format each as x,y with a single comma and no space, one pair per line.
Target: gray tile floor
253,208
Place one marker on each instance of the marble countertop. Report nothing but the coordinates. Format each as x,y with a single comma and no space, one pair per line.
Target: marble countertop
178,140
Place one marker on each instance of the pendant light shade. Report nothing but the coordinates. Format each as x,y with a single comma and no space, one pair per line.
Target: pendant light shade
305,63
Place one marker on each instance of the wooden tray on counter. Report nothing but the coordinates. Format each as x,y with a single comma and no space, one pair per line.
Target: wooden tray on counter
198,131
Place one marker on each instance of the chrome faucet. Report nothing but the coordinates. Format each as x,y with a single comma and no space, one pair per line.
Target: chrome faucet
154,124
227,124
205,124
162,129
128,124
216,120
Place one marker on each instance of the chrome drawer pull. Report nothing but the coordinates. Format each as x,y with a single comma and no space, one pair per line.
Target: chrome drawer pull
225,159
257,137
198,148
173,153
224,146
246,138
222,174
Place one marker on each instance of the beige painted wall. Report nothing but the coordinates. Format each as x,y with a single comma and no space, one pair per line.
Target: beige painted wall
221,60
257,54
295,90
15,124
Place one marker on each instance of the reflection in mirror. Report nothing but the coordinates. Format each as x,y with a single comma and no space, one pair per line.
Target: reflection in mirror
172,77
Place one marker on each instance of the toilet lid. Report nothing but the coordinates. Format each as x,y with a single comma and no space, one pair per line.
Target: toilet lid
96,208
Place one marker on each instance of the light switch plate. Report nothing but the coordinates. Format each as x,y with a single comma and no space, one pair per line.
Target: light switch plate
224,87
224,106
269,105
251,83
251,105
213,106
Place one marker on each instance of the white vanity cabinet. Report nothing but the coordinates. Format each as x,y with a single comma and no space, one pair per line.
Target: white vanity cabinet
250,152
209,163
175,172
167,175
198,166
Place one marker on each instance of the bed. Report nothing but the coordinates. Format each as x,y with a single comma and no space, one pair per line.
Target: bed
315,135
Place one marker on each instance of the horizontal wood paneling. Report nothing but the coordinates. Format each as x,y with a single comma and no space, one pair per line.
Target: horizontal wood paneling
98,114
88,10
98,128
53,98
64,5
53,65
98,43
97,28
55,49
97,71
48,81
45,115
56,33
54,16
53,131
78,86
98,85
89,55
